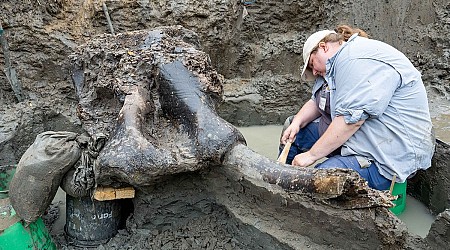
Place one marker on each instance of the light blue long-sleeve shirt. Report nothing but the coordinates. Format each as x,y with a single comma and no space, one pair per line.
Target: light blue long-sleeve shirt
372,81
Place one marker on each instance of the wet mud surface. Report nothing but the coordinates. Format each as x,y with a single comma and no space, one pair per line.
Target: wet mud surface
257,48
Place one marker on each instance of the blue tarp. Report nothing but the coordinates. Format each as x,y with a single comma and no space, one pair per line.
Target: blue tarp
1,32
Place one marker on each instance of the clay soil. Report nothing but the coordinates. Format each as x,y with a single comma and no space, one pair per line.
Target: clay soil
255,45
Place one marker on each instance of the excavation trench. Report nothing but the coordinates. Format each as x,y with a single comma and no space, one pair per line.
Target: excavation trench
166,100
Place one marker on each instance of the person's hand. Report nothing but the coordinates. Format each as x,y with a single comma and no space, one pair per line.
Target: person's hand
289,134
303,160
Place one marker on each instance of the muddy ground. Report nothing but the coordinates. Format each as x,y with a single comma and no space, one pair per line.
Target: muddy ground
258,54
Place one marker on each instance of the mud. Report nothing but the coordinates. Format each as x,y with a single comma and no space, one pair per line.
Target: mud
259,56
208,210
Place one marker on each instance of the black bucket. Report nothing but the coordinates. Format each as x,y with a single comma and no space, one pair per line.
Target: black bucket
91,222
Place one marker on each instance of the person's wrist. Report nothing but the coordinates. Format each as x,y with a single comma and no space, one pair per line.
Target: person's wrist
310,154
297,124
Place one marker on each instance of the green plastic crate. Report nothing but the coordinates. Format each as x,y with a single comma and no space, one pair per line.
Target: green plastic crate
14,235
400,203
18,237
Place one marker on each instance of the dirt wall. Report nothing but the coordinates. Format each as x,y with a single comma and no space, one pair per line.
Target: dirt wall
256,46
259,53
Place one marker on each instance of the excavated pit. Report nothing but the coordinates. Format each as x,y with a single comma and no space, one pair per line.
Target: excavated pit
219,205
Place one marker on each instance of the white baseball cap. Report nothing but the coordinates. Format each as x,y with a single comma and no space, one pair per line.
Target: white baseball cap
311,43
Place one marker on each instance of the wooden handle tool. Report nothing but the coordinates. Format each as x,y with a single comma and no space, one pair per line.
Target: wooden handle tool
283,156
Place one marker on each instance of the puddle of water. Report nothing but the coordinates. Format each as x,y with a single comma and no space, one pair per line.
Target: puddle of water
417,217
265,140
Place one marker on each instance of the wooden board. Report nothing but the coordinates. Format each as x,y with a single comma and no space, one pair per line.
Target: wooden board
110,193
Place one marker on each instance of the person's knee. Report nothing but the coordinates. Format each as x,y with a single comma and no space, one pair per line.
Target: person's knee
334,162
288,121
376,180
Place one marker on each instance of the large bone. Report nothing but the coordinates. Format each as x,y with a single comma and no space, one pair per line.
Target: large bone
128,156
203,138
340,187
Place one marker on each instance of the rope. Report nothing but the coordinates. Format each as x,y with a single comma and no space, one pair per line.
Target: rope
84,177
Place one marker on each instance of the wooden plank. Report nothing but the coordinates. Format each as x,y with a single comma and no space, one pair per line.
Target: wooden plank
110,193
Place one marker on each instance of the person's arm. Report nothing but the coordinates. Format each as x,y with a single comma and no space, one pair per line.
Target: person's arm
308,113
337,134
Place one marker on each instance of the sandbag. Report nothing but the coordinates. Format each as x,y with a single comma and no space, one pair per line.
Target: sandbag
40,170
71,189
79,181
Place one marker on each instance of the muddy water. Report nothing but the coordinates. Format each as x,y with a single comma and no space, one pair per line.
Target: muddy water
264,140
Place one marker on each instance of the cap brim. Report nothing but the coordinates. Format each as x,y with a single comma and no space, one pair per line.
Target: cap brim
307,74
